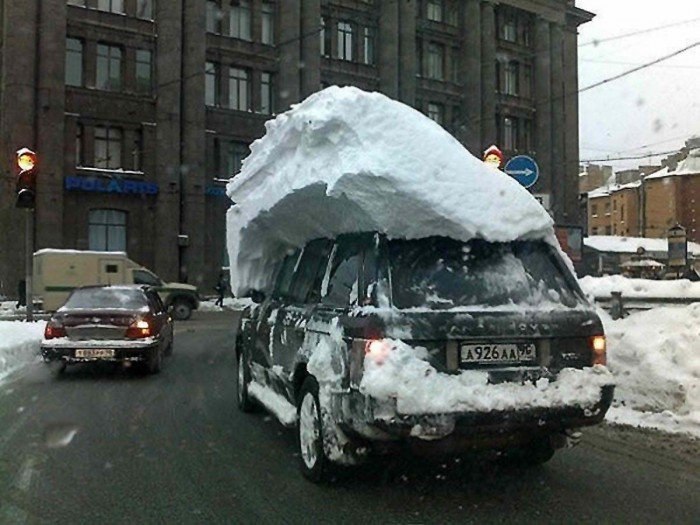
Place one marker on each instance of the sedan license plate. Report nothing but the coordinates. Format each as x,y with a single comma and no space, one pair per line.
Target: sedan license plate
498,353
94,352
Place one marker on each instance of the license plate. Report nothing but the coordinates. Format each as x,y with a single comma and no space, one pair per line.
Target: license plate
94,352
508,353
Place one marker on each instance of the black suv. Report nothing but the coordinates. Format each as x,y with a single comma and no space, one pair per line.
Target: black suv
512,311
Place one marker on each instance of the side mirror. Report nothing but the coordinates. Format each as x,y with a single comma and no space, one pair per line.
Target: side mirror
257,296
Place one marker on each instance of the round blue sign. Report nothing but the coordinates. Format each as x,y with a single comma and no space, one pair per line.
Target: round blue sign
524,169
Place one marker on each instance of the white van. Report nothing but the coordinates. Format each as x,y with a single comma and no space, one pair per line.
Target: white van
58,272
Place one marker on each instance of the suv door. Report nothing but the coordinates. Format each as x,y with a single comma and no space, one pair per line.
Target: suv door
297,308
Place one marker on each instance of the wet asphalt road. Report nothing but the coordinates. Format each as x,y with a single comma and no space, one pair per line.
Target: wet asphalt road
99,446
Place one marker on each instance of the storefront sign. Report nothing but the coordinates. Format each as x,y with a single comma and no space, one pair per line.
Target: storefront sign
103,185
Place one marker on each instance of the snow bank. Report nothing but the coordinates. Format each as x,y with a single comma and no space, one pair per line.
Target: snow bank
19,344
655,356
345,160
639,288
406,376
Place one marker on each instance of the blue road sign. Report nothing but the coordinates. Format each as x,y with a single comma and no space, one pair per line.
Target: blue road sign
524,169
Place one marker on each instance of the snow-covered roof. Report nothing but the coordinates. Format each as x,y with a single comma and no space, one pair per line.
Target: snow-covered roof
663,172
616,244
688,166
609,189
345,160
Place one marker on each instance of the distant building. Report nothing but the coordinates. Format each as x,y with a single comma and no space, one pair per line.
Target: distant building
593,176
140,110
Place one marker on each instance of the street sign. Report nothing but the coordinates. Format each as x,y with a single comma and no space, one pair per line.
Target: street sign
524,169
677,247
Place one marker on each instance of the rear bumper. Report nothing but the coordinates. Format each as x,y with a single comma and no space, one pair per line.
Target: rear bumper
457,431
123,350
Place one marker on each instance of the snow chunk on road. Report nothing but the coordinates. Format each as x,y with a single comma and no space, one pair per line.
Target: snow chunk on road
406,376
655,356
345,160
19,344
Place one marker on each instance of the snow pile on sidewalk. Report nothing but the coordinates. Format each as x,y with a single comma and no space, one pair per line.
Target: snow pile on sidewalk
639,288
344,161
655,356
404,374
230,303
19,344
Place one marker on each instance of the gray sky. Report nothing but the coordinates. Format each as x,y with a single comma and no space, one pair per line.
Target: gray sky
650,111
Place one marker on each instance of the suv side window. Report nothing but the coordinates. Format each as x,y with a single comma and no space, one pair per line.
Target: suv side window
284,278
305,286
342,289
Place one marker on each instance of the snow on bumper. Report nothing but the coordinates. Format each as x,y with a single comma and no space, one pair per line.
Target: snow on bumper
64,349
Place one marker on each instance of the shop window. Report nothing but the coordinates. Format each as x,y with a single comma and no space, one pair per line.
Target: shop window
344,41
238,89
268,23
109,67
107,230
108,147
240,19
144,71
74,62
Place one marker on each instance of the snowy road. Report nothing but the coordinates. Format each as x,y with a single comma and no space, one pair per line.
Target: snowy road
124,448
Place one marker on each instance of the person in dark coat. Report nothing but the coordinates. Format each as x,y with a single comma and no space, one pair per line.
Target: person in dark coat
220,289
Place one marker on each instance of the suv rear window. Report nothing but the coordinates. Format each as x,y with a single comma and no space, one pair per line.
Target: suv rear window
441,273
107,299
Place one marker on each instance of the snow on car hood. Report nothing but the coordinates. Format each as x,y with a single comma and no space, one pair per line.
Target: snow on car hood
344,161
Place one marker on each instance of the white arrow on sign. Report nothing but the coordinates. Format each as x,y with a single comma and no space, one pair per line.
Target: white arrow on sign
527,172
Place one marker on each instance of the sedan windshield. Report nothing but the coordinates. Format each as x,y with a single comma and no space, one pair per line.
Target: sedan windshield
106,299
441,273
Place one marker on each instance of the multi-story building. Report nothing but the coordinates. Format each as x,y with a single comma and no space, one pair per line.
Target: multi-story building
141,109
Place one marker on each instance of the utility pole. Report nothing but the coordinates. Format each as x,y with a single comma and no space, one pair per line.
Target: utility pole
26,198
29,262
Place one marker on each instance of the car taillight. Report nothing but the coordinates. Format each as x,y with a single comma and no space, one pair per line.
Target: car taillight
139,329
598,347
54,329
378,350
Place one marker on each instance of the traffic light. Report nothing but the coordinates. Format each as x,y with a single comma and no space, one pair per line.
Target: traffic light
26,180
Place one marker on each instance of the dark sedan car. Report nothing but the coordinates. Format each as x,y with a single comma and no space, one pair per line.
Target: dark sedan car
122,324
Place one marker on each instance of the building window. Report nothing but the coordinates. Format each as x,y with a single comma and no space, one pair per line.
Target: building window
109,67
509,27
510,78
238,89
369,45
594,230
622,212
607,208
436,60
74,62
108,147
235,153
527,141
211,84
80,3
214,16
144,71
594,210
608,230
79,138
344,41
454,65
452,13
113,6
107,230
436,112
434,10
526,87
268,23
266,90
419,57
144,9
510,133
137,151
239,20
325,39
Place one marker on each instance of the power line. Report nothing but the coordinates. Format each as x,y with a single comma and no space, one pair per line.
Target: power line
632,157
620,63
639,68
597,41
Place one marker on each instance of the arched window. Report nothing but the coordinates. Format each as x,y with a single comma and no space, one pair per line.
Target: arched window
107,230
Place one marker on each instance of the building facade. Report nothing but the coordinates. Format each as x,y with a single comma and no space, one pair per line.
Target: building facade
140,110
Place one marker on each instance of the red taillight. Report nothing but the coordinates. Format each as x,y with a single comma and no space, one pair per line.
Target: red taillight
139,329
378,350
598,347
54,329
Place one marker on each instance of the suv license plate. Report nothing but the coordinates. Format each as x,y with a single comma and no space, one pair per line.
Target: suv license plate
498,353
94,352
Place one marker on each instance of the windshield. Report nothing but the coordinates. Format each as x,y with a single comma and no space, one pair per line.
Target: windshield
441,273
106,299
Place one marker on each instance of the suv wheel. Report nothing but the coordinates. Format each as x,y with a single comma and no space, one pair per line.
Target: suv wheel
245,403
182,309
155,361
314,463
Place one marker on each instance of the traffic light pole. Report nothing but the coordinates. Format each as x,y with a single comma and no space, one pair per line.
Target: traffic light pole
29,263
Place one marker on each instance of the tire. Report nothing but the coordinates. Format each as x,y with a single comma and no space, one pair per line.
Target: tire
155,361
181,309
245,403
536,453
314,464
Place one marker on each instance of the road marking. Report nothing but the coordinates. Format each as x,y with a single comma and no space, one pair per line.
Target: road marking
26,473
11,431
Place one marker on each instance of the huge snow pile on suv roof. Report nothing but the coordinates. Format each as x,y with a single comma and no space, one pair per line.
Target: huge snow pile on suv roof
344,161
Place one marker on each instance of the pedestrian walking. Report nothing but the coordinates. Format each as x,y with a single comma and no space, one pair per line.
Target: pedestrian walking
220,290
